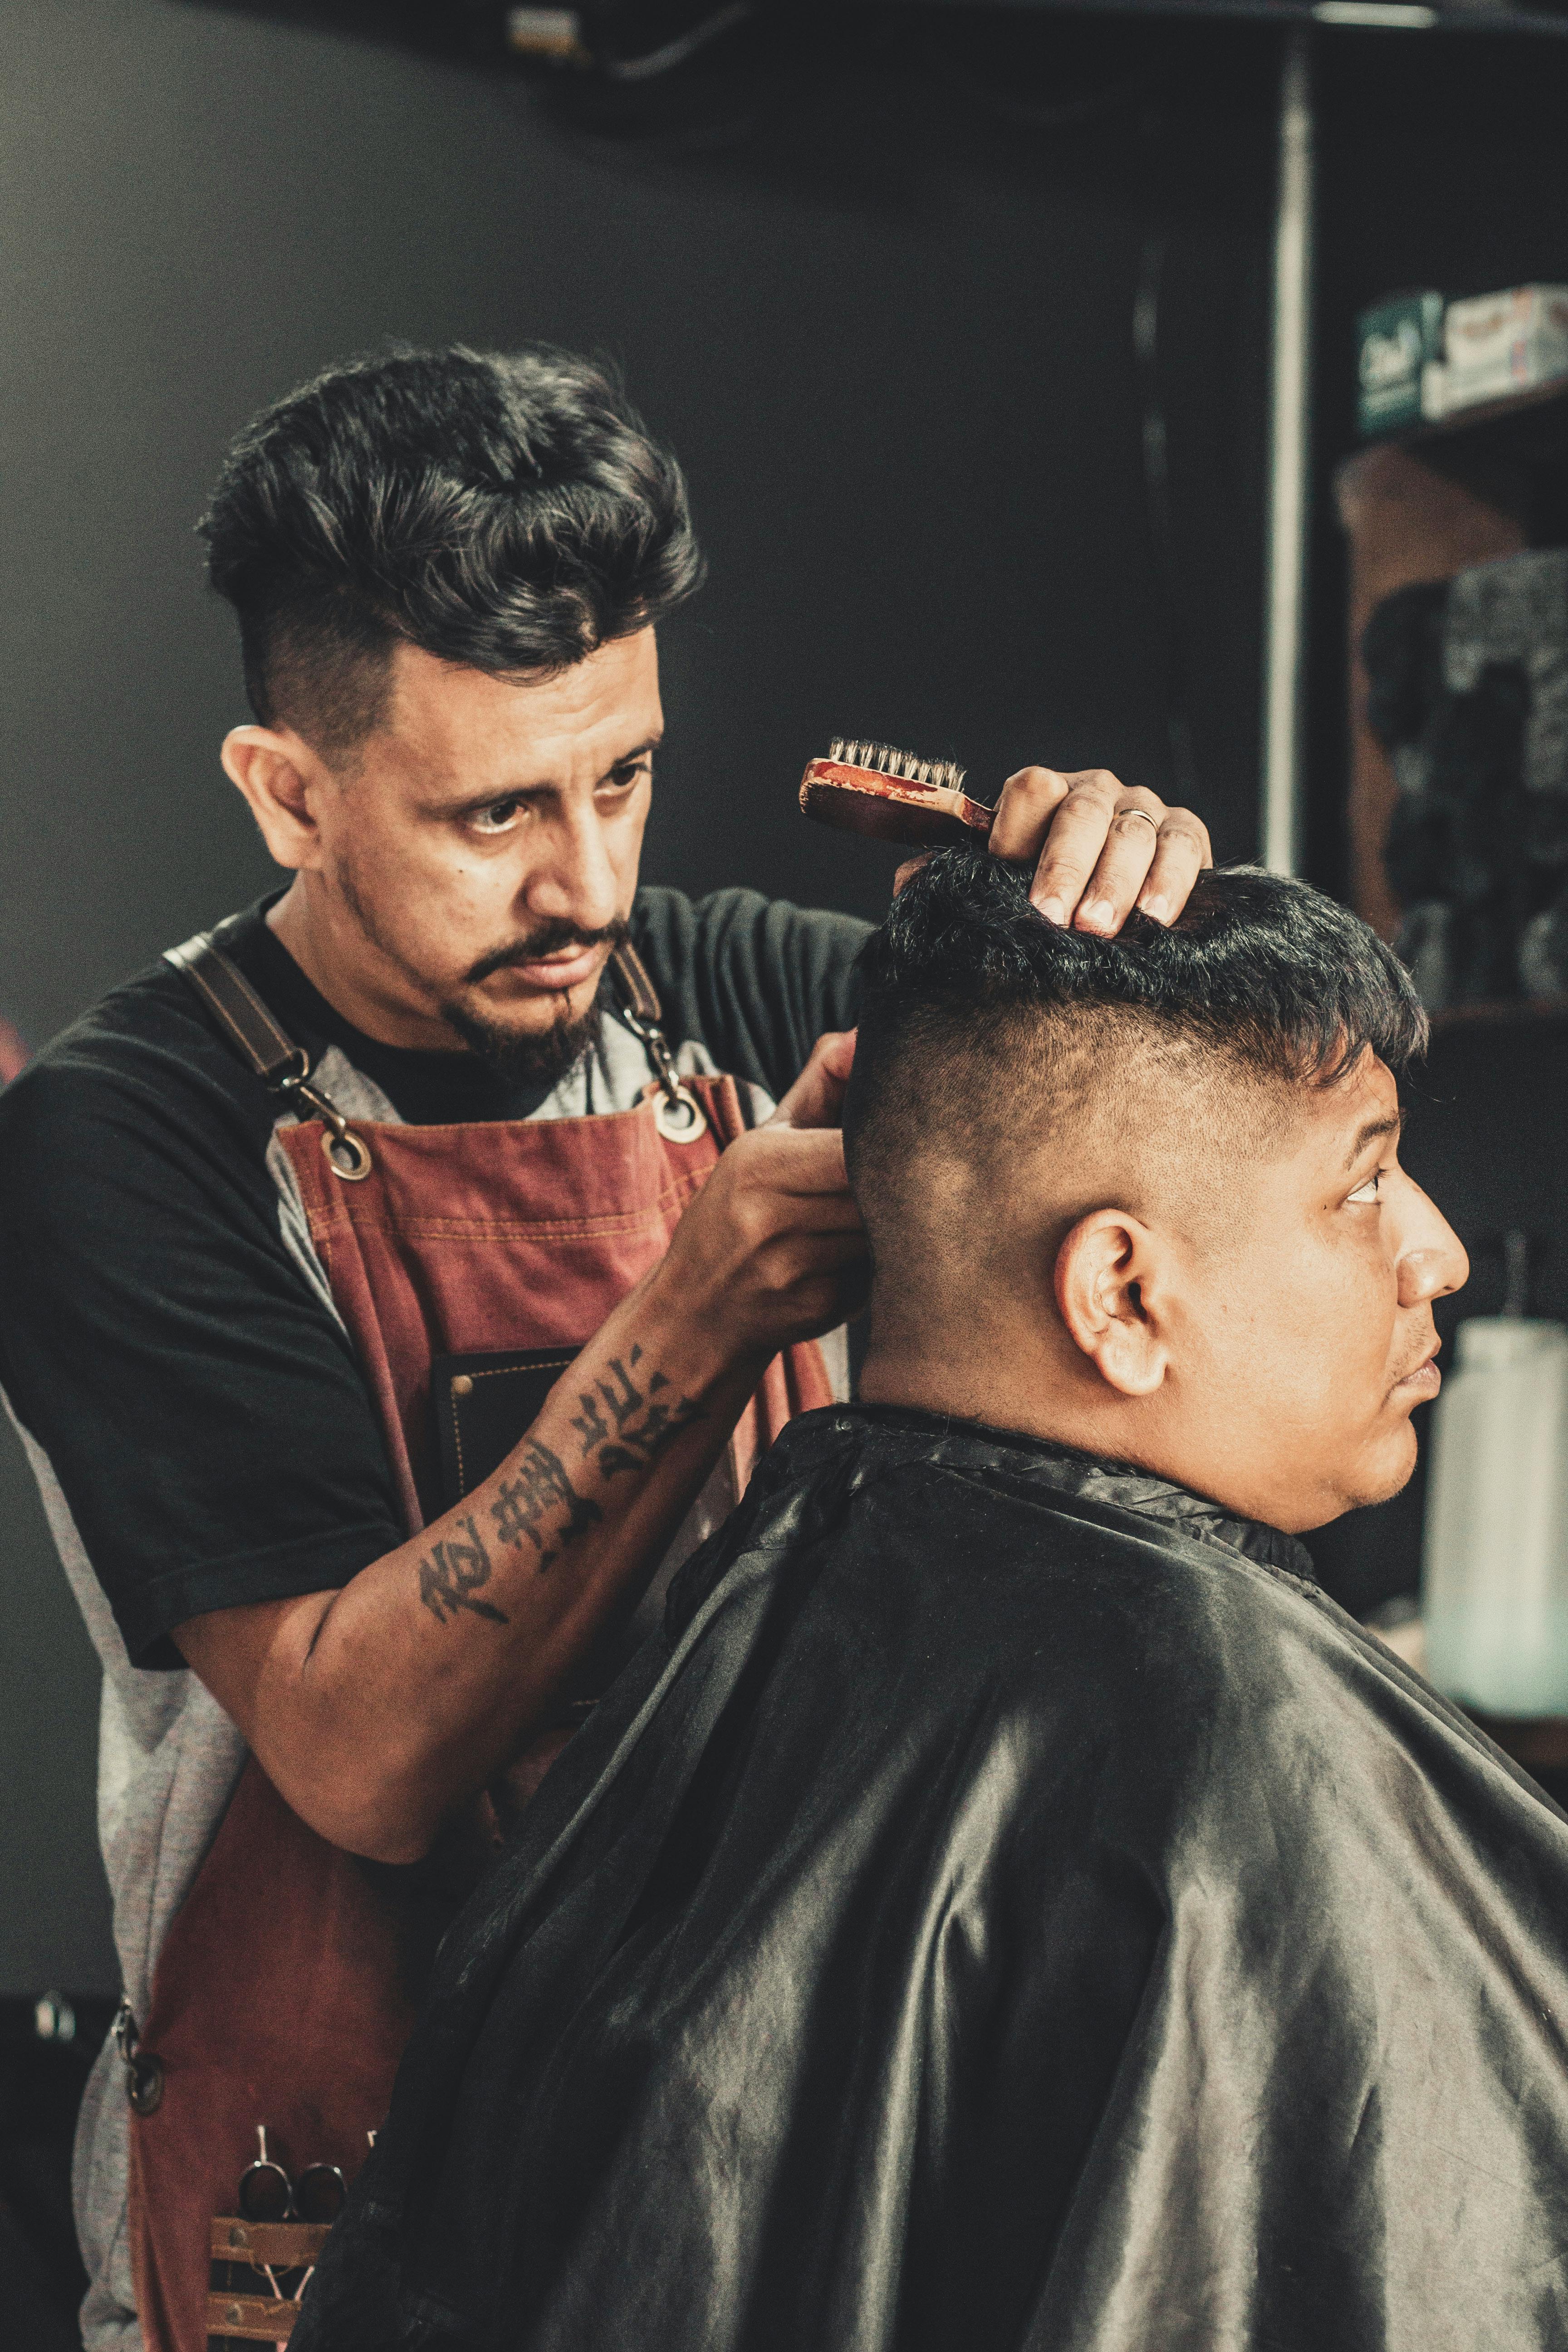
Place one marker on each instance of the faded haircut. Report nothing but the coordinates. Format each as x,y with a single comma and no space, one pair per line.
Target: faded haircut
978,1016
505,511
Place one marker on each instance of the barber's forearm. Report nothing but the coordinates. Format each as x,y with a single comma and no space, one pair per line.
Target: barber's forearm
376,1709
380,1706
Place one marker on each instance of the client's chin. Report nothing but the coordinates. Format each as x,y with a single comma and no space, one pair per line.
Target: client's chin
1379,1482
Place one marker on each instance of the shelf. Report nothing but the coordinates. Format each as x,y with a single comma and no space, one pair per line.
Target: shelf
1544,407
1410,514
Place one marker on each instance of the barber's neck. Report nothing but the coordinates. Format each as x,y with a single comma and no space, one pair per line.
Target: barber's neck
357,977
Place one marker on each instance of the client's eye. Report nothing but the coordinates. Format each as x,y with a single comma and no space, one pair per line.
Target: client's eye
1369,1190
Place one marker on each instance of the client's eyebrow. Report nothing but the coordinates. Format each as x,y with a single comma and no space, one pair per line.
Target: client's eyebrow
1371,1133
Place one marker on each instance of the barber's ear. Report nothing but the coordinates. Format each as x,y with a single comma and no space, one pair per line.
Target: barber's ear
282,780
1104,1272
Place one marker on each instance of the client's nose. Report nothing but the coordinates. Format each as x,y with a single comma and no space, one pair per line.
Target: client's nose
1430,1257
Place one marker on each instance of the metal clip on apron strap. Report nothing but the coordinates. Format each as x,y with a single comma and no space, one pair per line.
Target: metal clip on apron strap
676,1113
278,1062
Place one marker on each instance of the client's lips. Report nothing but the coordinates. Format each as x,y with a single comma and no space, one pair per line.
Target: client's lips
1424,1381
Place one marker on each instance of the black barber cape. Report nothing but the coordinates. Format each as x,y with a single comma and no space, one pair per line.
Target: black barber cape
1008,1906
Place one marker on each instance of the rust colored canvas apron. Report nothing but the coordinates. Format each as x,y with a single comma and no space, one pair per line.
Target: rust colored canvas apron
281,1995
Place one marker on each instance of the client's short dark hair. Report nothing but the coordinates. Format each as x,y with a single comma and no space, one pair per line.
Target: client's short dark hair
966,983
507,512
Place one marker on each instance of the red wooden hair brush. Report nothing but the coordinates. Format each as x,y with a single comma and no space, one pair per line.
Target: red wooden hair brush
893,796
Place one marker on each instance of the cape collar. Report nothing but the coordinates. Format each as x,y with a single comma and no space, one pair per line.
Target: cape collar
1121,1483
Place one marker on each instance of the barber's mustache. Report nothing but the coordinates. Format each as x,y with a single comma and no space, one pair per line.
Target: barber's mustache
551,938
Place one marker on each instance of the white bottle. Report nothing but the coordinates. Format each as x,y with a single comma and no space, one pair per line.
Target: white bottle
1494,1571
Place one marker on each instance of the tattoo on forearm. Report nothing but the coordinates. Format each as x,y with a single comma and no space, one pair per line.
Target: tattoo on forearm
643,1421
622,1425
453,1573
537,1489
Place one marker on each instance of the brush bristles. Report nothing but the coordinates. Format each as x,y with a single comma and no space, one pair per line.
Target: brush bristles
886,760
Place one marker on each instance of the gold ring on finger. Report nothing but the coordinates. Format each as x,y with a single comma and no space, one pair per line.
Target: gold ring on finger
1144,814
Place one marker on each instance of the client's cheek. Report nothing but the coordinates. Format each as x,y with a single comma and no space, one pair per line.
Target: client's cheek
1334,1375
1332,1341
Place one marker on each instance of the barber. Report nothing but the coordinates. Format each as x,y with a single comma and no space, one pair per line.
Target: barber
460,1120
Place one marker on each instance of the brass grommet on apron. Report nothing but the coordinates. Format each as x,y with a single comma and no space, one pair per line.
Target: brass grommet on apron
347,1154
145,2087
677,1115
144,2071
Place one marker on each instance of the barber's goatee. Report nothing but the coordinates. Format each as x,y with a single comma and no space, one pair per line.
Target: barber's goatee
521,1057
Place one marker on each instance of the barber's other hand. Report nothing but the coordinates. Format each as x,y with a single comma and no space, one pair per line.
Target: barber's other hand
1098,859
773,1249
816,1097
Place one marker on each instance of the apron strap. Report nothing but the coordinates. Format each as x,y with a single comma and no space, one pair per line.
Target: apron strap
268,1052
238,1011
638,994
676,1113
285,1067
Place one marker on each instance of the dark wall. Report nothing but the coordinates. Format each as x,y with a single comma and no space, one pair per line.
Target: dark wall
886,318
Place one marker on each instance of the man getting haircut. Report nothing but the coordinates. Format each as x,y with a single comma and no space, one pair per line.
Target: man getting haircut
1009,1904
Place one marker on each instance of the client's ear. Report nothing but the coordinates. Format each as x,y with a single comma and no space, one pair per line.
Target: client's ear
1105,1269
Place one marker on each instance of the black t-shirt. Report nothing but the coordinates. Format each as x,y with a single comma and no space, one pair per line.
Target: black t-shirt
201,1407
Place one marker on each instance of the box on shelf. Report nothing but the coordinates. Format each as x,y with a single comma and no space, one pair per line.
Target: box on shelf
1398,340
1498,344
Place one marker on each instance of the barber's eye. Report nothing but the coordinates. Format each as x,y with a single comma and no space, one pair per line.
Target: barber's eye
498,818
1369,1190
630,771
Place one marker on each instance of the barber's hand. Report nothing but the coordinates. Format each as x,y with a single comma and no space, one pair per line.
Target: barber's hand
816,1097
1098,859
773,1249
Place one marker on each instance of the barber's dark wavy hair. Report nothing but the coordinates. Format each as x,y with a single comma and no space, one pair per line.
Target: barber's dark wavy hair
506,511
1278,977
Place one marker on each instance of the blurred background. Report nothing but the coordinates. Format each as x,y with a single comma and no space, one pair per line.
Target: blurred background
1058,383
